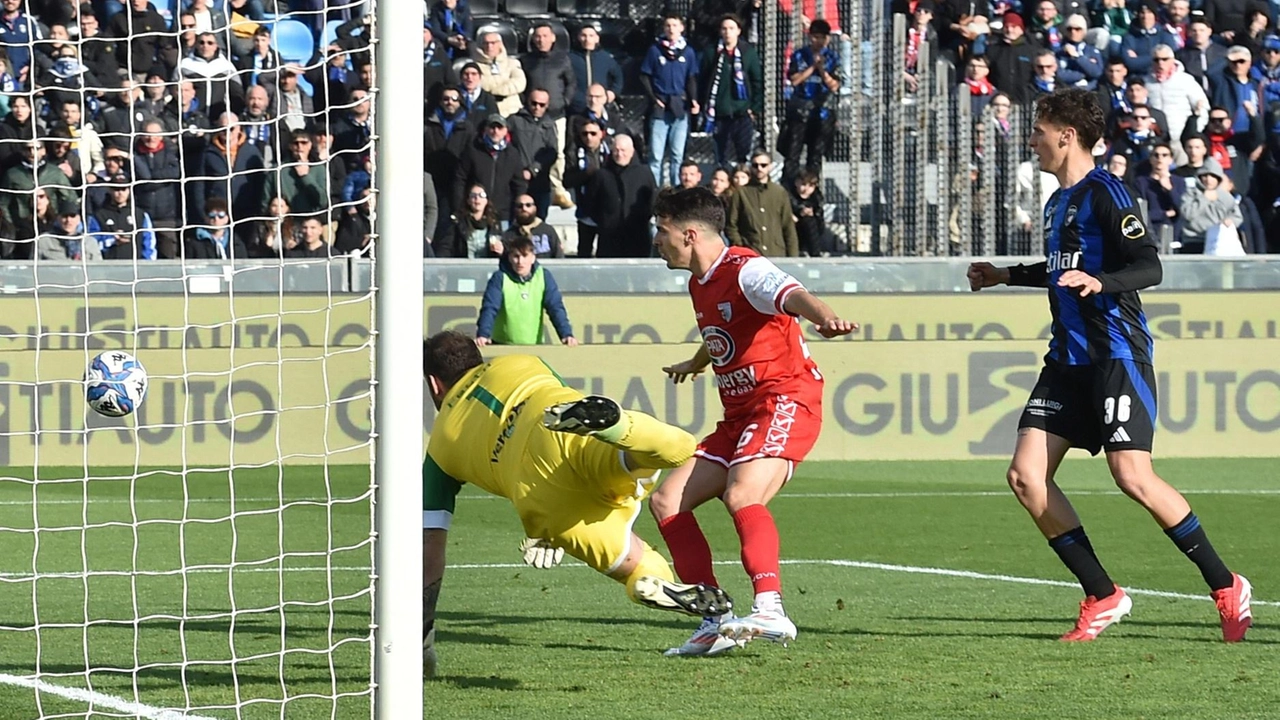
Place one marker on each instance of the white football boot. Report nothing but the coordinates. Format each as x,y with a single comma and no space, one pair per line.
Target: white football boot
772,625
706,640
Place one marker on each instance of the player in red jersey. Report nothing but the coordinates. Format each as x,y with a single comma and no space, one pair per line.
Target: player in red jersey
749,314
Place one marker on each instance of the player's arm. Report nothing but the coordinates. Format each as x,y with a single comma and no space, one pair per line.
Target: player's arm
686,370
810,307
985,275
771,291
1124,233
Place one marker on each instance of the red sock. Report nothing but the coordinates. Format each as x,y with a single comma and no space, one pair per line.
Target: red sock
689,549
759,537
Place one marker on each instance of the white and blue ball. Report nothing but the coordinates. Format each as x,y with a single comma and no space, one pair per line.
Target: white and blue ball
115,383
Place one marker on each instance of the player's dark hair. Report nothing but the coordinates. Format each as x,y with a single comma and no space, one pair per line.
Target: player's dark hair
449,355
1077,109
695,204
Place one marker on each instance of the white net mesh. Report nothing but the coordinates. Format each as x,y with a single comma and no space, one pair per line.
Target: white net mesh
179,195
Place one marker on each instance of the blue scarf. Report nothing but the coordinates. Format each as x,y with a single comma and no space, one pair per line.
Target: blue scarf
1044,85
448,123
495,147
220,243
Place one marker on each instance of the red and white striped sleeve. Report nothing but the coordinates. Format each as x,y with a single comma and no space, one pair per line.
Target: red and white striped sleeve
766,286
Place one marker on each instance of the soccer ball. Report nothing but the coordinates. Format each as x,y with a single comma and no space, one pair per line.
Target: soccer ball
115,383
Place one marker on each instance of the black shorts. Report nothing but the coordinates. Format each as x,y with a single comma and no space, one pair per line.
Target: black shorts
1111,404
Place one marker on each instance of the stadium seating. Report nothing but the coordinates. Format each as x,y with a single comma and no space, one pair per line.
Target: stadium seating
294,41
330,33
480,8
529,8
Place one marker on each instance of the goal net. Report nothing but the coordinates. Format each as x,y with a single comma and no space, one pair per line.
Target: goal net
188,182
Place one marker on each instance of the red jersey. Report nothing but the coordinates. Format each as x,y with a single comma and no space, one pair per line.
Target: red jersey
757,350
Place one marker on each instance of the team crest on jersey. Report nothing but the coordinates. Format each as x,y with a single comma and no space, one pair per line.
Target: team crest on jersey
1131,227
719,346
726,311
1071,215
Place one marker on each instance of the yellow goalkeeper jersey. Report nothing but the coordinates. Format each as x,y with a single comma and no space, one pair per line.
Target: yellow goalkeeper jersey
481,431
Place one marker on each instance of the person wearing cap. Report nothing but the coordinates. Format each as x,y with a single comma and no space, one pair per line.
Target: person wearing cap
477,102
1234,88
1079,63
292,106
593,65
815,79
500,74
1206,209
492,161
67,239
1011,56
1143,36
123,230
1268,67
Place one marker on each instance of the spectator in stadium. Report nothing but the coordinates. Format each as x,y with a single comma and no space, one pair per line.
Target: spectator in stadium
115,162
243,16
1144,34
593,66
58,152
1197,149
1268,68
186,40
212,238
476,230
1163,190
622,195
515,299
63,77
808,214
355,229
1118,165
330,79
760,213
122,230
476,101
1136,139
1079,63
1012,56
451,21
1209,213
437,71
213,20
87,146
122,117
186,112
294,107
690,174
733,92
68,238
548,68
1136,94
535,135
354,128
1258,25
815,78
96,51
1111,88
1234,88
921,34
587,152
446,134
275,234
334,168
234,171
1175,93
17,129
669,74
977,80
741,175
1111,22
158,181
492,161
155,100
1253,235
260,128
525,223
721,186
311,242
1045,30
602,112
500,74
1201,55
216,81
260,64
300,182
1235,152
18,32
147,34
1175,18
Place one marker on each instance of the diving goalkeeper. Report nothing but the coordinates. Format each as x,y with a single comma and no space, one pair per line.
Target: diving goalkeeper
576,469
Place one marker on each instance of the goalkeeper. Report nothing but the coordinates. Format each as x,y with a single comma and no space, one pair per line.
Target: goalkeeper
576,468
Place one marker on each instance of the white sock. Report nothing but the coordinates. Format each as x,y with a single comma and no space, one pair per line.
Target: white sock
771,601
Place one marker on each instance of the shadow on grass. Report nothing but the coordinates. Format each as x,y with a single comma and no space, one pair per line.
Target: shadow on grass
492,682
657,620
168,678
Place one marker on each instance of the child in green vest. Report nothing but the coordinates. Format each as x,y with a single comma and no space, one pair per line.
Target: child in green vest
517,294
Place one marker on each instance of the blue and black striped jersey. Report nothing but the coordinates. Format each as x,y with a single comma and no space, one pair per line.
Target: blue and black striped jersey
1096,226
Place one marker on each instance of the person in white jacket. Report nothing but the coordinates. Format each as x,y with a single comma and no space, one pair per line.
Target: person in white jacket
1174,92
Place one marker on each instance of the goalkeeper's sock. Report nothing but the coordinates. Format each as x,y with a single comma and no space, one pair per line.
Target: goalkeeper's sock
689,549
651,564
1076,552
1191,540
649,443
759,536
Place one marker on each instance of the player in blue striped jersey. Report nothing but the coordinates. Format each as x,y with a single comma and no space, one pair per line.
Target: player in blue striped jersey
1097,389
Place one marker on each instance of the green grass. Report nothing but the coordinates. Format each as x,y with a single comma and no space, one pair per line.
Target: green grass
565,643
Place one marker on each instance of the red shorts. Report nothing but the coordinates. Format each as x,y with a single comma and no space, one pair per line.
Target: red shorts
777,427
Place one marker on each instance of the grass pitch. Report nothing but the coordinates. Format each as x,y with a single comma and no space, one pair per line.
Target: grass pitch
919,589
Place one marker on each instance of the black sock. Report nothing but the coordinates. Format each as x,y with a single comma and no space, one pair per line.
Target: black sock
1191,540
1076,552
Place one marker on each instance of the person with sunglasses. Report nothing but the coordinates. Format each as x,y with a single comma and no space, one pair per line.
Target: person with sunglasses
536,139
216,79
759,215
211,236
1171,90
526,223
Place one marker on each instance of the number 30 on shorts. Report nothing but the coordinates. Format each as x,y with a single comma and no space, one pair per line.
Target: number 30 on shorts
1116,409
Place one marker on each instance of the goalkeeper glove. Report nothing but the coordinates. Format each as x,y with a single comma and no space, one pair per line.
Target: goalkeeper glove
540,553
429,654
